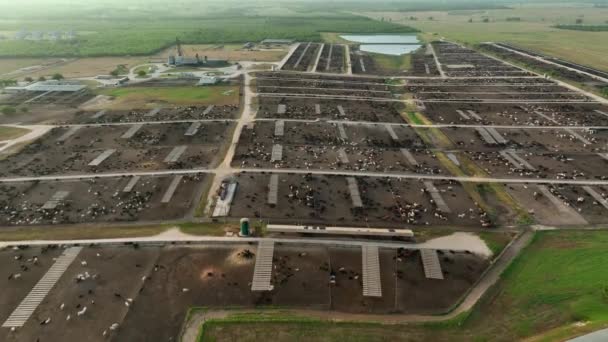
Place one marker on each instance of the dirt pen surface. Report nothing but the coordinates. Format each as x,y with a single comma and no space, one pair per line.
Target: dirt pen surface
132,286
106,149
307,199
98,200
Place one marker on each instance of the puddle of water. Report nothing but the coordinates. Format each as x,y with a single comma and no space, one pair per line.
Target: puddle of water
460,240
382,38
387,44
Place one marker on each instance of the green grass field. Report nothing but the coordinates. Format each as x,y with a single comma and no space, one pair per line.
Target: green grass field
535,30
132,96
393,63
139,35
556,283
8,133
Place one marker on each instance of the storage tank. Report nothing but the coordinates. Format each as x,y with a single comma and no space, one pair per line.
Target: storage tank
244,227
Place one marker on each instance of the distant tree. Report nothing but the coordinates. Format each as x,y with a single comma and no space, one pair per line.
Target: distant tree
486,20
431,18
579,20
41,79
57,77
470,20
28,79
114,72
24,110
141,73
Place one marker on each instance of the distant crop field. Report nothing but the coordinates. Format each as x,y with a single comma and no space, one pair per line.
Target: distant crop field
534,28
139,36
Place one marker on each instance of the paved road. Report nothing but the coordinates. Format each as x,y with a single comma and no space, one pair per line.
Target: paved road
349,64
139,123
333,97
288,55
439,67
316,65
372,123
598,336
225,170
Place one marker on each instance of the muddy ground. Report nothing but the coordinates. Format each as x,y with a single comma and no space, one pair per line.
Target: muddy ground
160,284
61,152
97,200
315,199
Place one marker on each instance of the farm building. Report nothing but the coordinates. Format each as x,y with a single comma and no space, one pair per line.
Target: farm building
277,41
208,80
47,86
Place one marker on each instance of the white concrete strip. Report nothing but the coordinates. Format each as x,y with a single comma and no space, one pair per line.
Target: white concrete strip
132,131
342,156
208,110
462,114
426,69
29,304
439,67
578,136
353,188
175,153
132,182
68,134
451,156
273,189
521,160
341,110
281,109
193,129
98,114
497,136
409,157
431,264
372,285
391,132
362,64
152,112
474,115
601,112
35,98
349,66
293,49
171,189
331,50
103,156
301,56
486,136
55,200
277,153
517,161
342,132
316,65
262,272
597,196
436,197
559,205
318,109
603,156
279,128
